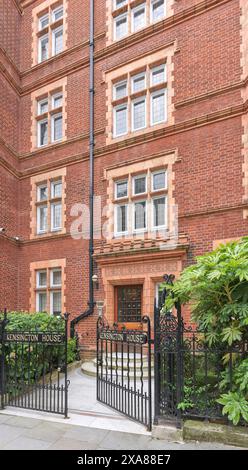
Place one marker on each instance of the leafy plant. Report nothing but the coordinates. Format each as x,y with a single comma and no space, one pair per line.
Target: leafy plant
216,288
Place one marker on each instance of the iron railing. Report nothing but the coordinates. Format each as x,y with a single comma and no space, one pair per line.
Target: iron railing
33,369
190,375
124,370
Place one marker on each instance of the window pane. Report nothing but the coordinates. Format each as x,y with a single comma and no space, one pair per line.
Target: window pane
56,303
56,278
158,10
57,101
121,219
44,21
42,107
159,212
120,90
140,185
56,216
139,18
119,3
42,219
41,302
121,121
138,83
159,181
129,303
140,215
41,279
158,108
121,27
139,114
57,189
58,41
158,75
43,128
57,128
121,189
58,13
42,193
43,49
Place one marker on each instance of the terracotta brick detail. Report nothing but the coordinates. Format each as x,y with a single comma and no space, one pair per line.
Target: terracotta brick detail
43,8
47,91
48,265
142,63
46,178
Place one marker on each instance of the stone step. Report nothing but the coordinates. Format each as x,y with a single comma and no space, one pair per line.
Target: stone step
123,364
89,368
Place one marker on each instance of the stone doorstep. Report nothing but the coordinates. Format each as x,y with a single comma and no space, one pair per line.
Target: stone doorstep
203,432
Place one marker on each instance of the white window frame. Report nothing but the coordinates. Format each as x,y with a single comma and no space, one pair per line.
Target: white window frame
159,227
137,100
54,97
117,108
135,77
125,232
153,95
151,11
40,103
39,133
54,53
123,82
116,184
51,299
61,7
53,205
38,286
39,231
155,69
140,230
157,172
46,16
137,177
54,183
134,10
116,7
37,299
55,270
40,61
120,17
39,187
53,117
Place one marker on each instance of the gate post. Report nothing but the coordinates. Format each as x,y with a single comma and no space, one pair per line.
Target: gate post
180,379
157,361
66,317
2,361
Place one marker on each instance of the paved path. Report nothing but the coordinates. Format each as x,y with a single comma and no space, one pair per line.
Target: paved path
21,433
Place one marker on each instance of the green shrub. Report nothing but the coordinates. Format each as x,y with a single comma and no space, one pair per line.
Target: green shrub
29,362
217,289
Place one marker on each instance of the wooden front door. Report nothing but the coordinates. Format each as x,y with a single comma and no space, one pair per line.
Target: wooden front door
128,306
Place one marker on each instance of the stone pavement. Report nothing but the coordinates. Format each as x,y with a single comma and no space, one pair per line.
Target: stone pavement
22,433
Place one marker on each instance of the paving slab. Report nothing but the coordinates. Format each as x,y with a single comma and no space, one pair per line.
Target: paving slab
27,443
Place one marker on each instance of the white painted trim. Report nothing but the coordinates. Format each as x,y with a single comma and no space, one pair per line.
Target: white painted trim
136,177
125,232
140,230
57,30
53,117
138,100
118,108
151,11
154,95
120,17
157,172
135,10
39,48
42,121
121,182
159,227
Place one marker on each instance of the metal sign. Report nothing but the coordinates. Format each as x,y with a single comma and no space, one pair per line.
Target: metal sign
42,338
124,337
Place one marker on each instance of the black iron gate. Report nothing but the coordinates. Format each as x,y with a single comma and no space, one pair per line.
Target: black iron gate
33,369
124,370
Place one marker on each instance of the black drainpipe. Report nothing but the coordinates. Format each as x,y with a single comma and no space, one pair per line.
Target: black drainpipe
91,302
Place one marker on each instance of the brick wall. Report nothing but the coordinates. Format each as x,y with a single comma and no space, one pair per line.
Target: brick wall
207,134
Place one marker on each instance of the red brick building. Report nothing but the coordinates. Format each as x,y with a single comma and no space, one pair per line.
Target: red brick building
170,149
